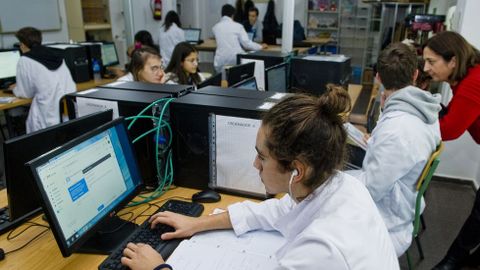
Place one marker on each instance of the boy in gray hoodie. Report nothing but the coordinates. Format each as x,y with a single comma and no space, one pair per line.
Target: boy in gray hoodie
406,134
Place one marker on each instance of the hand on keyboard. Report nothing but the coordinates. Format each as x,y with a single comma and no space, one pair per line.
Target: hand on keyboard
184,226
141,256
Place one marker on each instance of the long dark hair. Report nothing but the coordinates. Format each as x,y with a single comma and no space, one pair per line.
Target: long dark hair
309,129
450,44
172,17
180,52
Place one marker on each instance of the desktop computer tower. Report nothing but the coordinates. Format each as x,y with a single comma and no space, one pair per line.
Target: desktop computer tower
130,103
94,51
269,58
190,124
234,92
175,90
312,73
76,60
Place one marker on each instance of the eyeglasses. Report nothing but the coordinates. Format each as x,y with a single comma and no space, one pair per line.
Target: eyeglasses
157,68
192,60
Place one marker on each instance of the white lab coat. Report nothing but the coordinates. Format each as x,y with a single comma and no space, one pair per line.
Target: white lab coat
126,78
46,87
231,40
336,227
167,40
397,152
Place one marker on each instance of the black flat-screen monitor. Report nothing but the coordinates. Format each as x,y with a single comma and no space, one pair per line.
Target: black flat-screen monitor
215,80
19,150
109,54
247,84
238,73
8,66
83,184
276,78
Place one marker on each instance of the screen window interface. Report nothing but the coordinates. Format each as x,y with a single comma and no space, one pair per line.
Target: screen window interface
86,182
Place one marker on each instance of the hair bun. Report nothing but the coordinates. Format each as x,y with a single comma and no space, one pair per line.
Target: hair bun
335,102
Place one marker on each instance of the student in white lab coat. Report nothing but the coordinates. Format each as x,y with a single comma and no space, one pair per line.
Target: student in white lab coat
327,217
146,66
170,35
406,135
231,39
43,76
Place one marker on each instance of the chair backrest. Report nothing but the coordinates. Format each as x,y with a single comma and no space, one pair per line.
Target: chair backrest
423,182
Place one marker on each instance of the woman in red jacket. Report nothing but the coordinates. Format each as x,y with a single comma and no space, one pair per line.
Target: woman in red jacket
450,58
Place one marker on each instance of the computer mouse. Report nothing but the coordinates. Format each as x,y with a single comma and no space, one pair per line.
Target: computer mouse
206,196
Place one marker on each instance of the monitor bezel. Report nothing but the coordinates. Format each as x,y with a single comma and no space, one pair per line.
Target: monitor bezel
199,34
239,71
238,85
12,77
12,194
267,70
47,207
116,53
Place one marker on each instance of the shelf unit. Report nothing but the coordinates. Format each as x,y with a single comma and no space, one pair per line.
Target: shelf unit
323,19
88,20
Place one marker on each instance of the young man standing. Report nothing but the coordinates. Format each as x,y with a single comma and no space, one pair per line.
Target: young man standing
231,39
42,75
406,135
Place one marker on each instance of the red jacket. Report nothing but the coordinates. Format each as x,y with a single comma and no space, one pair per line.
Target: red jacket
464,108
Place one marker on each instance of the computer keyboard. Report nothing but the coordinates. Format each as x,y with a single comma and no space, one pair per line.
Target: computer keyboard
144,234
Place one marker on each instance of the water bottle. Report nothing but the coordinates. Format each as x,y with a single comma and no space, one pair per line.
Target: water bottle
97,77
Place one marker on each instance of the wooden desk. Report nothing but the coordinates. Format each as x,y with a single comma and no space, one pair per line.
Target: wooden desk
210,45
354,91
43,253
25,101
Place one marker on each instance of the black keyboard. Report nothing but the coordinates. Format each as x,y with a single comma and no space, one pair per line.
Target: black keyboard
144,234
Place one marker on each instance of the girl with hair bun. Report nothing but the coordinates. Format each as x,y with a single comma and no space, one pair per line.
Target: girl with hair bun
328,218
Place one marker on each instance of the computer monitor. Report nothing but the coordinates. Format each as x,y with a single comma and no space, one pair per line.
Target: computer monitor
276,78
238,73
20,184
83,184
109,54
248,84
192,35
215,80
8,66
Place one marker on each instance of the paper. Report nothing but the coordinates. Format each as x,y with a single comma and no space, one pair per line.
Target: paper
279,96
224,250
327,58
4,100
266,106
234,154
88,91
259,72
355,135
88,106
114,84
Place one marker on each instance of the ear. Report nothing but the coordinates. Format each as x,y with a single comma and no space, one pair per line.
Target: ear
452,63
377,77
415,76
301,169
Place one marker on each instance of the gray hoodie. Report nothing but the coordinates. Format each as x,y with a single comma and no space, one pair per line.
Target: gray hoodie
415,101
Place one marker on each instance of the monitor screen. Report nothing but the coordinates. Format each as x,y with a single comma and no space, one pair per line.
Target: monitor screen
85,181
8,63
20,184
248,84
276,78
192,34
109,54
238,73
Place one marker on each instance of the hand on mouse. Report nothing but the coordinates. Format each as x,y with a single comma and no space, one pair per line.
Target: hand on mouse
184,226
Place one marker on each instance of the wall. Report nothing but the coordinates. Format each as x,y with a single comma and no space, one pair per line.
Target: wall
461,158
7,40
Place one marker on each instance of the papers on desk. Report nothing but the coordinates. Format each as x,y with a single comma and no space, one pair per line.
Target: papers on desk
224,250
4,100
355,135
327,58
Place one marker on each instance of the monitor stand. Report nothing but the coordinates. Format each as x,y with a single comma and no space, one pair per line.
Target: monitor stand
110,235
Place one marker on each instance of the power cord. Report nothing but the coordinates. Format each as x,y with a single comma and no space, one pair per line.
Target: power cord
10,237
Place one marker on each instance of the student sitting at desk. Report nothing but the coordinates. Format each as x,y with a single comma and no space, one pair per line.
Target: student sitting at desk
170,35
42,75
183,67
231,40
250,24
406,135
146,66
327,217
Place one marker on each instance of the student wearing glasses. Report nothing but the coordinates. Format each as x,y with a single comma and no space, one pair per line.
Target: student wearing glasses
183,67
146,66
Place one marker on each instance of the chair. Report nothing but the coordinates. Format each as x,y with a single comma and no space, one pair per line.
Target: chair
422,185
